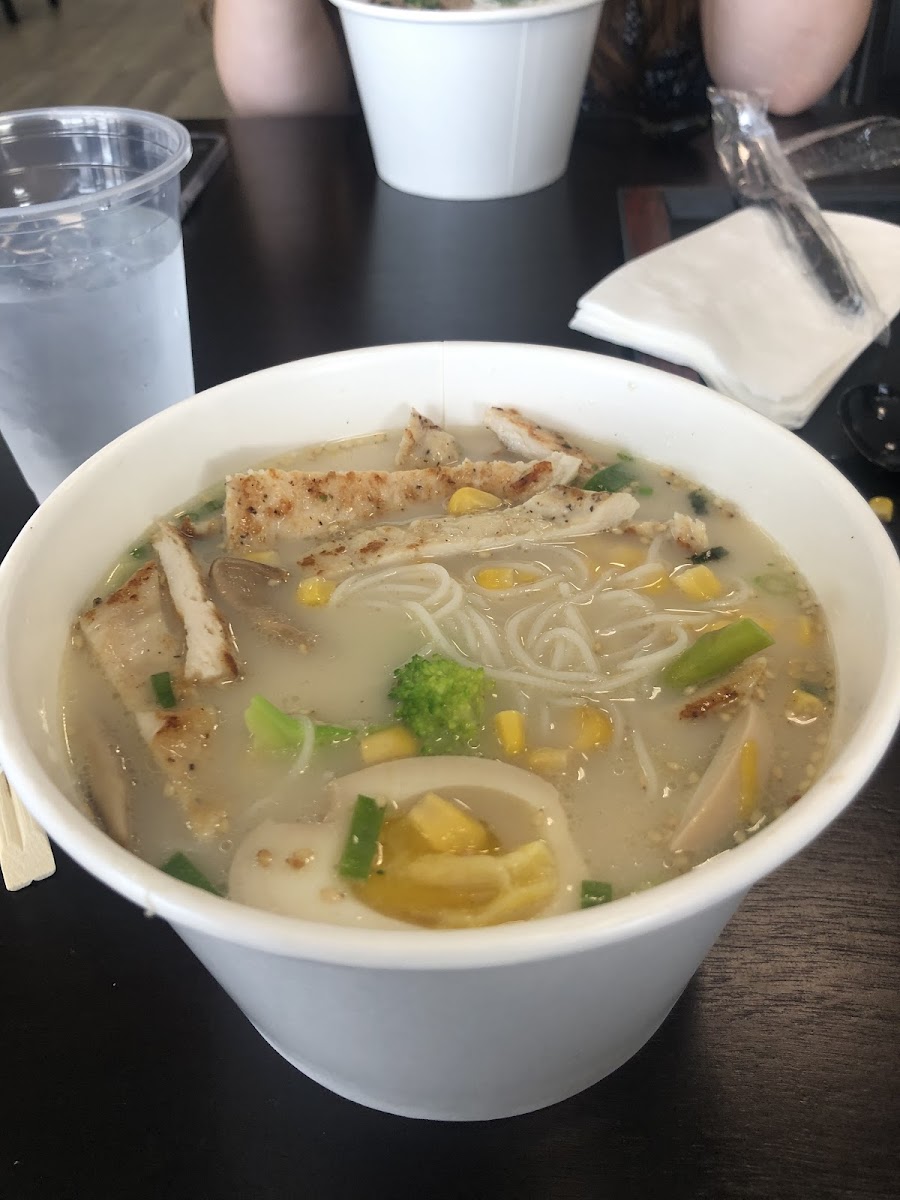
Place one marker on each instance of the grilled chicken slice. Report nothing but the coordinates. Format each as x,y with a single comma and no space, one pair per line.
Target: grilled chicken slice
132,637
210,653
522,436
557,514
424,444
262,507
179,742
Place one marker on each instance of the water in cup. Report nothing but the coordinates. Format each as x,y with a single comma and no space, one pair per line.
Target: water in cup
92,341
94,333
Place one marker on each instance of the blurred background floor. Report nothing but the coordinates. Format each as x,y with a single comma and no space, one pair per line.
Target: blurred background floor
154,54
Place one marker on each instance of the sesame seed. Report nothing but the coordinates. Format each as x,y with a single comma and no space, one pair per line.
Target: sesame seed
264,858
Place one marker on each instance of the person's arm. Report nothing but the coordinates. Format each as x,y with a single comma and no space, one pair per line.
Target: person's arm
795,49
279,56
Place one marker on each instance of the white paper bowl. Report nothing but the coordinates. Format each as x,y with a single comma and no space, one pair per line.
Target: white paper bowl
471,104
492,1022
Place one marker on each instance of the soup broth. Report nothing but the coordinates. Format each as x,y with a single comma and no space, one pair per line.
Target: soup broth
575,636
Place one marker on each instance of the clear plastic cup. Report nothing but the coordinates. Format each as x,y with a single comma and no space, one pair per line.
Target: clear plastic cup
94,332
471,104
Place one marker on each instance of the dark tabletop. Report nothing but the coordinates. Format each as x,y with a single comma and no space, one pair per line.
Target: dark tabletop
127,1072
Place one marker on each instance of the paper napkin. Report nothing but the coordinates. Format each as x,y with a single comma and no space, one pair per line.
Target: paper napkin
733,302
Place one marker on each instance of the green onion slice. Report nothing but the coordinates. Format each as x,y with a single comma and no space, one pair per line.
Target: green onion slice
611,479
179,866
362,839
270,728
716,652
162,689
594,892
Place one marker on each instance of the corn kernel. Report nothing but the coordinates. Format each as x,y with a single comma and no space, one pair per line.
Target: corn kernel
497,579
883,508
699,583
387,744
509,727
803,707
445,827
315,592
595,729
469,500
268,557
547,760
805,629
749,776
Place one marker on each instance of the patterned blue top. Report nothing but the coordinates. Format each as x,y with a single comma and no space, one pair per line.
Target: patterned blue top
670,91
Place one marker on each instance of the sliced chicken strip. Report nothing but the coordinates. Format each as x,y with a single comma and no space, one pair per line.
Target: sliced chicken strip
424,444
264,506
743,684
132,638
522,436
179,742
210,653
689,533
557,514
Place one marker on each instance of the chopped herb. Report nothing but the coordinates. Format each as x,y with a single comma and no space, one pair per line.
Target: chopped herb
270,728
644,490
162,689
716,652
324,497
332,735
699,502
593,892
624,456
776,583
142,551
180,867
362,839
710,555
815,689
611,479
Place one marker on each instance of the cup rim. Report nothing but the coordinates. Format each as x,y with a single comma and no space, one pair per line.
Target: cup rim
510,13
724,877
180,154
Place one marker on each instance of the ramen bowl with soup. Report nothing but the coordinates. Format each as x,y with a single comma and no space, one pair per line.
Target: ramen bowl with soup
461,690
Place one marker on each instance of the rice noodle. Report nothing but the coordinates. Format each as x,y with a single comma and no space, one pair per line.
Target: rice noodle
305,753
649,779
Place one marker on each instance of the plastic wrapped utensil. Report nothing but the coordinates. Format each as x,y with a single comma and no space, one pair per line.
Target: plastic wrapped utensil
760,173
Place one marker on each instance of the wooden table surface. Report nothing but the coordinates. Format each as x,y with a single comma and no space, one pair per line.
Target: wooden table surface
127,1072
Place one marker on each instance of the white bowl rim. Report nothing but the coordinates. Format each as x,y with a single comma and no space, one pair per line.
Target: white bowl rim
722,879
508,13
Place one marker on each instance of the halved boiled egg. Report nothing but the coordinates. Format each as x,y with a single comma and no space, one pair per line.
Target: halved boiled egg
465,842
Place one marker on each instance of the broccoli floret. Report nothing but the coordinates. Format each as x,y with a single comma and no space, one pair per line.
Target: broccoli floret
441,702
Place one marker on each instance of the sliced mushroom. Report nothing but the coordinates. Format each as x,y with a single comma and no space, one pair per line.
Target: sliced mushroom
714,811
243,584
109,780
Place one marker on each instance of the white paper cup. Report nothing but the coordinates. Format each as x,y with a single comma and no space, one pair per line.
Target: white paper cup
472,1024
471,104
